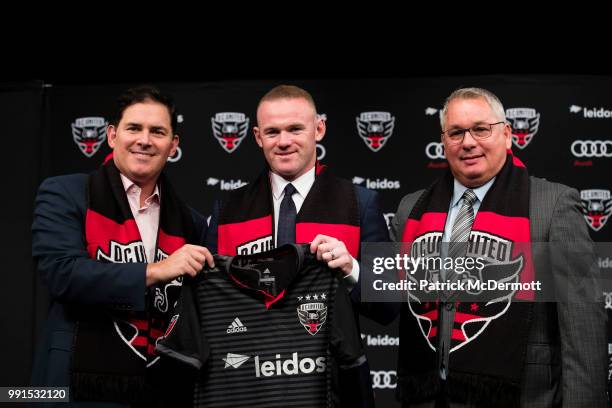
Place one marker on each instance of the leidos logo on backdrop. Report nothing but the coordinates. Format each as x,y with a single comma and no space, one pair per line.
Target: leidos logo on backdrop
377,184
229,128
591,113
524,123
375,128
225,185
89,133
596,207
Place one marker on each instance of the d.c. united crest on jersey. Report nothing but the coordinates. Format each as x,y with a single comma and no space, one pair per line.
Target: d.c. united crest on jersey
312,312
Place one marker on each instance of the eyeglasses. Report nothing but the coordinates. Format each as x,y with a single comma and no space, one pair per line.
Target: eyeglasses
478,132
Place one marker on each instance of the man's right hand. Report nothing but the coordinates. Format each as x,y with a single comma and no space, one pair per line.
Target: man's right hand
187,260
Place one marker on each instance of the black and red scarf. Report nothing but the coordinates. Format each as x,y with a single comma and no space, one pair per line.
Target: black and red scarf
246,221
489,341
114,347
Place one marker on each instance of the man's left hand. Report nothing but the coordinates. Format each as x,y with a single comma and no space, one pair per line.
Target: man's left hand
332,251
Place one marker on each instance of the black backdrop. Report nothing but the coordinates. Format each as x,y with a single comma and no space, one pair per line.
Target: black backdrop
558,111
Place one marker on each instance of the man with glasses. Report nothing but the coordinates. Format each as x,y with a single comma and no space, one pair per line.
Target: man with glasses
459,351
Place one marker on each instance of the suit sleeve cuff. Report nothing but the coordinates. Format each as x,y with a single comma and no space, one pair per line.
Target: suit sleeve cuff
351,279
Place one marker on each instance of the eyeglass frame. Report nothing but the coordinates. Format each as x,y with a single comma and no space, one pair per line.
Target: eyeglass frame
444,133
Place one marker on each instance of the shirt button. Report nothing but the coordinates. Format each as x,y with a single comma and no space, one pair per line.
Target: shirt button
449,306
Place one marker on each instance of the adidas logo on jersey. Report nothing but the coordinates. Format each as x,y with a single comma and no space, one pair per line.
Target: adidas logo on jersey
236,327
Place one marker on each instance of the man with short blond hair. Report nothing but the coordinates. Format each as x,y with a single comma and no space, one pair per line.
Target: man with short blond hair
298,200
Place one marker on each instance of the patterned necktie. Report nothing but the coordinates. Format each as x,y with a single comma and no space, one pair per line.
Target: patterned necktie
457,247
462,226
286,218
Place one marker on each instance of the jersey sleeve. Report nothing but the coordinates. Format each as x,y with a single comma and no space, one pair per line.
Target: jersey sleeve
183,340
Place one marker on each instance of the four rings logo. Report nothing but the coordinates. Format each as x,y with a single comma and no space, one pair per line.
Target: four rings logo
89,133
435,150
384,379
592,148
608,300
321,152
596,207
230,128
177,156
375,128
525,123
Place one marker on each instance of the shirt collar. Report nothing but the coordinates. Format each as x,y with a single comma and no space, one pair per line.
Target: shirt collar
129,185
302,184
480,192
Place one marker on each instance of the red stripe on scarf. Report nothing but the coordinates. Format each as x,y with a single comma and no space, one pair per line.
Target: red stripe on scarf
515,229
140,324
305,232
99,230
515,160
170,243
456,334
233,235
429,222
140,341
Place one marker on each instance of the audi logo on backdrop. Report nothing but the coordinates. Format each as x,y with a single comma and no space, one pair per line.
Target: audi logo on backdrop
384,379
608,300
177,156
592,148
321,151
435,150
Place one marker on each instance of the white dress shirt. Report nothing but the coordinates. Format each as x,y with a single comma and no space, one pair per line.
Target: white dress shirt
302,184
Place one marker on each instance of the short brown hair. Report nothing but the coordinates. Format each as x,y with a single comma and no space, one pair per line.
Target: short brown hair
145,93
287,92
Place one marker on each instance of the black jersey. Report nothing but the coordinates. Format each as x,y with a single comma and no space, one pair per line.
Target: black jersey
273,329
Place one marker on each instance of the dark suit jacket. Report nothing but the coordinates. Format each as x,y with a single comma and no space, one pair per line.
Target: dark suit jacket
74,279
566,363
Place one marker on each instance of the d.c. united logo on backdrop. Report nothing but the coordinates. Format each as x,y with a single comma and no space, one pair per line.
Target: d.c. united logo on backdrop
375,128
525,123
596,207
89,133
229,128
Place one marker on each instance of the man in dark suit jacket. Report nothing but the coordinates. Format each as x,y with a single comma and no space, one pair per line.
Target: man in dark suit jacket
100,282
329,212
562,360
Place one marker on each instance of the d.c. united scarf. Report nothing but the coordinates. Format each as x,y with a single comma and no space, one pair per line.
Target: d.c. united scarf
489,339
114,347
